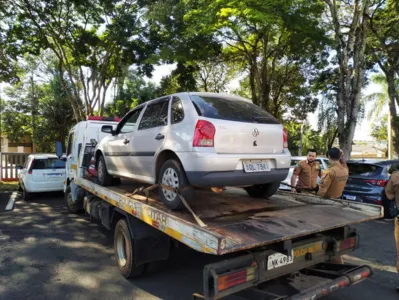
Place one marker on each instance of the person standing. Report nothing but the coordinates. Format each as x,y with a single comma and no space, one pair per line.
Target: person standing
334,179
392,193
306,172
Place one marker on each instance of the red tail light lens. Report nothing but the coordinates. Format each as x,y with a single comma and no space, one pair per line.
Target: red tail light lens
377,182
204,134
285,138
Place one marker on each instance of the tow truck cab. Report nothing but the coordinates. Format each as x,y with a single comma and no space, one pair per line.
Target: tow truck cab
82,132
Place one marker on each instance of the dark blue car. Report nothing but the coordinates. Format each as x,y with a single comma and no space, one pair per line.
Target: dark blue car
366,183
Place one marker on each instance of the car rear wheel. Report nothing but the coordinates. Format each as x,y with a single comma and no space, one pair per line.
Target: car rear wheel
173,175
26,196
102,173
263,190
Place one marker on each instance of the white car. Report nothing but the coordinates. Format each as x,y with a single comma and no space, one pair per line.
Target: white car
294,161
41,173
201,140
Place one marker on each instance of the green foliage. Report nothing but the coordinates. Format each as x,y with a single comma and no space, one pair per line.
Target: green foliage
133,91
379,130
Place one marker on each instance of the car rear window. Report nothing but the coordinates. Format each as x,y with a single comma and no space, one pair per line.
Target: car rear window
361,169
231,109
50,163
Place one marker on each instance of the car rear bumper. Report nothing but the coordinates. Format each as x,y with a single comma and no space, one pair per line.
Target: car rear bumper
234,177
34,187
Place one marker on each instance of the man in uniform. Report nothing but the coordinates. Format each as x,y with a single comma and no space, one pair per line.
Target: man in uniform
307,172
392,193
334,178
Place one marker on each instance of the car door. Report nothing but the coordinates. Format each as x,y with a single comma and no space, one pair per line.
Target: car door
70,166
24,170
149,138
119,148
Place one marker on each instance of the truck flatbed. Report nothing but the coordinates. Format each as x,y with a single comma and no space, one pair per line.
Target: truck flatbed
234,221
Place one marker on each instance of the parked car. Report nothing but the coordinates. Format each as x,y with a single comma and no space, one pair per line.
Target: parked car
366,183
294,161
41,173
191,140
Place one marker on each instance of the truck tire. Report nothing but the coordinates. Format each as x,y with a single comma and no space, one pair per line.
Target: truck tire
263,190
123,247
172,174
71,205
104,177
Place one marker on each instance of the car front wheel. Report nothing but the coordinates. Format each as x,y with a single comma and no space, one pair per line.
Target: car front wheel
263,190
173,175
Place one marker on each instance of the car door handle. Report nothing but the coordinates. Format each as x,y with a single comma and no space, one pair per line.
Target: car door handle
160,136
126,141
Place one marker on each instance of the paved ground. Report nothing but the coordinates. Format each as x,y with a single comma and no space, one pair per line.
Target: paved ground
45,253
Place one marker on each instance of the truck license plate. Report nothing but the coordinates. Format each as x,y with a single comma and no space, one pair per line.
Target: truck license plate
278,260
56,175
251,166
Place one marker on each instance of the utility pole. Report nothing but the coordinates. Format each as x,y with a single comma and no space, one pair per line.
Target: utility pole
33,111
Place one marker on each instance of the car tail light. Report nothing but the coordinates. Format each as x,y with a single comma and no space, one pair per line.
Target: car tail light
285,138
376,182
348,243
31,166
236,278
204,134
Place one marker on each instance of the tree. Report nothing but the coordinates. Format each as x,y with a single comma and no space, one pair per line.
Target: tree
348,20
132,91
93,41
269,40
383,46
379,130
214,75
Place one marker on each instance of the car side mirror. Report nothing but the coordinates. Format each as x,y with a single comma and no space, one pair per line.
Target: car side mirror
108,129
58,149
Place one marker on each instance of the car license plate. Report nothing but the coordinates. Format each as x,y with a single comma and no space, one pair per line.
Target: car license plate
349,197
278,260
54,175
251,166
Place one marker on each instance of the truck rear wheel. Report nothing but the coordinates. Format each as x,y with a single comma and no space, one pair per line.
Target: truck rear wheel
102,173
263,190
123,247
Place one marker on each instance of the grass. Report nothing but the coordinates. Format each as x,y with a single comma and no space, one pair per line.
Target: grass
8,186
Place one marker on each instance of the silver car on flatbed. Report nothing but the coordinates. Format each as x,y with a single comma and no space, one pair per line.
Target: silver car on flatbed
196,139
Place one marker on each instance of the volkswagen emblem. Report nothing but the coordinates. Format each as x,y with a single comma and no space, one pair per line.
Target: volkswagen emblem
255,132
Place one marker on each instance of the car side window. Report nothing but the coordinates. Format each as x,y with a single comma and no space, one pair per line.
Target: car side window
70,143
155,115
177,111
130,123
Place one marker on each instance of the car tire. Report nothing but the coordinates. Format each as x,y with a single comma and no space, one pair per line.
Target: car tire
104,177
123,247
172,174
26,196
72,206
263,190
390,209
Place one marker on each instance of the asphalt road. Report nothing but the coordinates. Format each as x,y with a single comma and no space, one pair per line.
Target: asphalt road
46,253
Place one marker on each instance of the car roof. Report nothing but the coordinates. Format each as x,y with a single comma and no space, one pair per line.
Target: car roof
374,161
43,155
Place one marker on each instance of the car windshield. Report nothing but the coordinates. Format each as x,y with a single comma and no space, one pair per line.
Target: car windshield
362,169
228,108
50,163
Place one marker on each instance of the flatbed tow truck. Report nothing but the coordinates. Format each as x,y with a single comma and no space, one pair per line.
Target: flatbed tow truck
298,237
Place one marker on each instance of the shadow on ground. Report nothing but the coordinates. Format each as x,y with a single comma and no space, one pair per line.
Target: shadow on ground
46,253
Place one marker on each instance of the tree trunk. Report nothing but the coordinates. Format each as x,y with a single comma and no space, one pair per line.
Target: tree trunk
393,95
252,85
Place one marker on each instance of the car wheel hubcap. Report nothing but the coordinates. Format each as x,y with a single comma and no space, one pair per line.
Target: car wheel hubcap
121,249
170,178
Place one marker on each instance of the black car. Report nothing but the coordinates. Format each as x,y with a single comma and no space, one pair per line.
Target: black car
366,183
